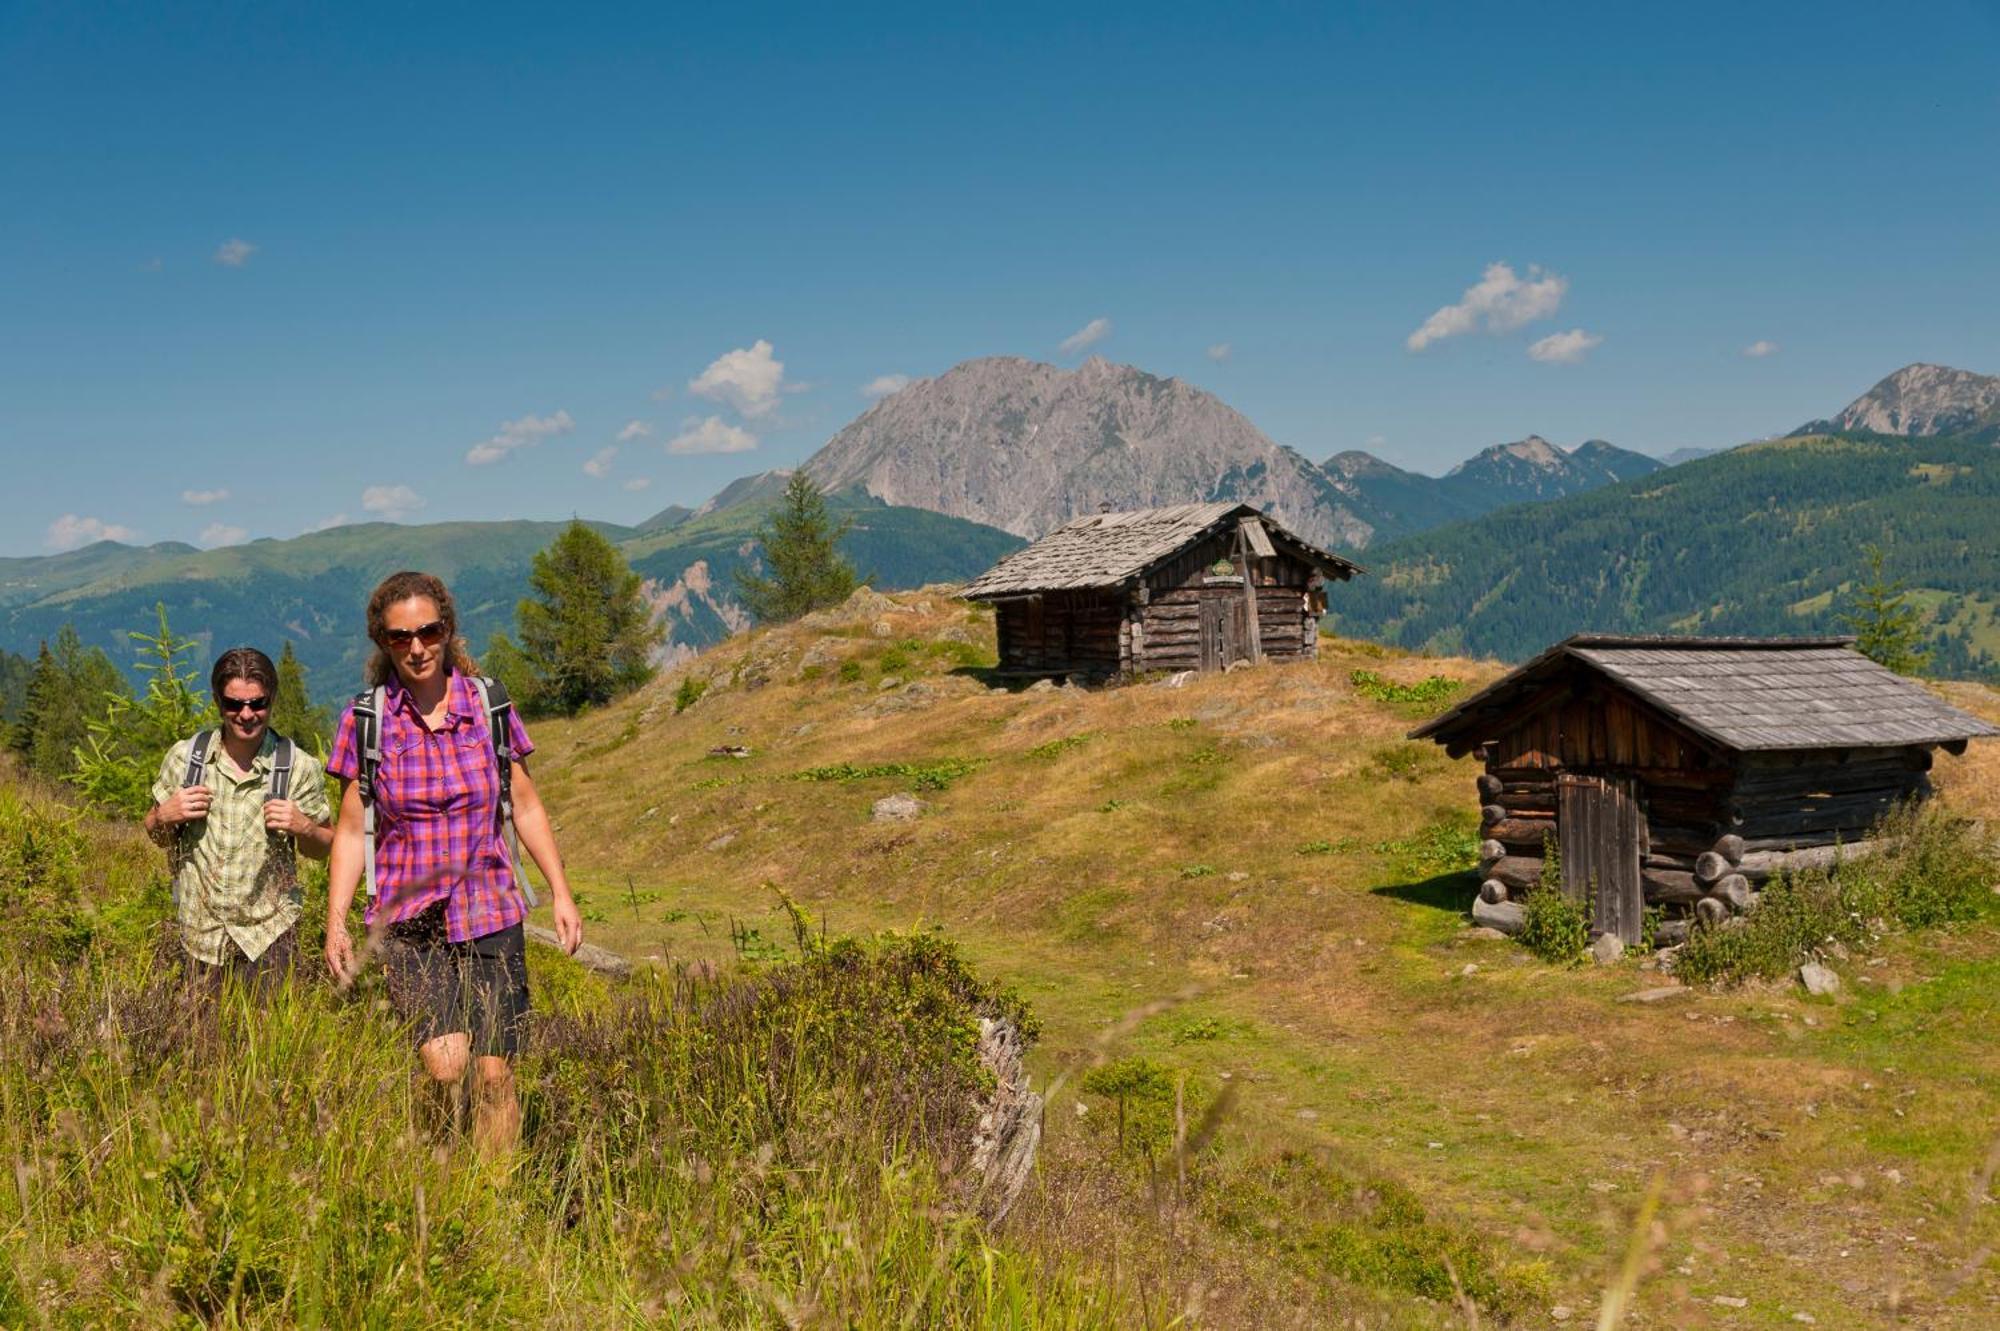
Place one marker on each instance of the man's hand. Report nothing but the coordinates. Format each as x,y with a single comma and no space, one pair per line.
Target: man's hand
569,922
183,806
286,818
339,954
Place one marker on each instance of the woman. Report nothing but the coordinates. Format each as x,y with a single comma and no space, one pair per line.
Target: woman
448,907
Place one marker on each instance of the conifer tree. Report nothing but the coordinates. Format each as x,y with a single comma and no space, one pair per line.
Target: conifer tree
800,542
114,767
72,688
1887,628
587,635
292,712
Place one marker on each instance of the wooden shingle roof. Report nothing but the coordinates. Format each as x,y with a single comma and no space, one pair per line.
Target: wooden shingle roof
1112,549
1746,694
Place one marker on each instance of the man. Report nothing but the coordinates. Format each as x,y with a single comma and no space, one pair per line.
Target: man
232,837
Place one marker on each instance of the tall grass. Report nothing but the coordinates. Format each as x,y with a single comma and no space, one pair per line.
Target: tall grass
785,1149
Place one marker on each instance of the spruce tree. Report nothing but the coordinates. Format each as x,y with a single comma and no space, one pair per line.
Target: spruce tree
72,688
1887,628
587,635
800,543
114,767
292,712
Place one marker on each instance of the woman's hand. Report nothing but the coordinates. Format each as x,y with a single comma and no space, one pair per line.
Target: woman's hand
339,954
569,921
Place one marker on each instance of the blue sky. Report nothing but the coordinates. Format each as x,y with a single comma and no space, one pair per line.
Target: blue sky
316,258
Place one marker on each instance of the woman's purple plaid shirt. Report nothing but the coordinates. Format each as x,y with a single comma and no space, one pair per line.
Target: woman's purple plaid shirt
435,795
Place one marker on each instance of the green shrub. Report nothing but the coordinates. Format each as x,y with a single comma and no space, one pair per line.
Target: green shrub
689,693
1428,693
1555,926
893,661
1055,747
1143,1093
937,774
850,671
1936,869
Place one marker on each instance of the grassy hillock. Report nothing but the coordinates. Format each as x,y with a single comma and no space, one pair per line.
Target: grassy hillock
1763,539
1246,897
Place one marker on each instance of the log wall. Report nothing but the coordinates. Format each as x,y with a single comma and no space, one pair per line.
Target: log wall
1062,633
1167,618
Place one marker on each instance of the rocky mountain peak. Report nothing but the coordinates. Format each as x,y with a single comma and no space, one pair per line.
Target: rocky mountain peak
1923,400
1025,446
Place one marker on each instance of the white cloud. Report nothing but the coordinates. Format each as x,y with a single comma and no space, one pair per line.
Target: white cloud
1087,336
1221,352
636,484
1761,348
391,502
221,533
634,430
748,379
517,434
200,497
70,531
884,384
663,394
1499,302
234,253
712,435
598,464
337,520
1564,348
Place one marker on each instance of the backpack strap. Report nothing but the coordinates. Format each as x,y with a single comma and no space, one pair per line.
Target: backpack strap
368,739
203,741
197,764
499,709
280,785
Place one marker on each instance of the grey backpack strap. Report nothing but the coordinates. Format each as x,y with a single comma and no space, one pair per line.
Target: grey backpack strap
499,709
280,785
198,757
368,739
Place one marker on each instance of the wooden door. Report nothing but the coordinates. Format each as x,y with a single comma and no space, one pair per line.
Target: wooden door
1222,631
1599,828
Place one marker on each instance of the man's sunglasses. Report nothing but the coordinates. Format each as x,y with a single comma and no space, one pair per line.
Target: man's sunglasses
430,635
234,705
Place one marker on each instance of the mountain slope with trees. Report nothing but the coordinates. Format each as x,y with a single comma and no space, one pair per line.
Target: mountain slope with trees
309,592
1765,539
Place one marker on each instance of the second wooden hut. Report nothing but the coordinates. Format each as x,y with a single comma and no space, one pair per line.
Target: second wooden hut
1681,772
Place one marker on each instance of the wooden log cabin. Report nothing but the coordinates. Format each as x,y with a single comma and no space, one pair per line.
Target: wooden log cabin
1680,773
1192,587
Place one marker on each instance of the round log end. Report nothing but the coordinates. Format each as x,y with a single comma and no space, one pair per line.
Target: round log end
1493,891
1709,866
1490,787
1711,911
1490,814
1730,848
1735,889
1490,851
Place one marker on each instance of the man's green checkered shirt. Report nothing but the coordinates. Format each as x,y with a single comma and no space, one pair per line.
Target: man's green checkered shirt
233,885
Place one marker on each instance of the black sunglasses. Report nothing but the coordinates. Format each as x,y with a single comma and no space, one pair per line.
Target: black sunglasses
430,635
233,705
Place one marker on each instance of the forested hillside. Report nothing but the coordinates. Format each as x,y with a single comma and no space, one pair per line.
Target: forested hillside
311,590
1764,539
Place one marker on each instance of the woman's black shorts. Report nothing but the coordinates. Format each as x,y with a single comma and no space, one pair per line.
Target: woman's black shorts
479,986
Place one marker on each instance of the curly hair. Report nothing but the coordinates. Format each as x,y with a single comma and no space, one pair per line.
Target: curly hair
399,587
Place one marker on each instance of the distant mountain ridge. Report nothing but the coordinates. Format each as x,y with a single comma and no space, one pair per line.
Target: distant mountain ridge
1525,471
1922,400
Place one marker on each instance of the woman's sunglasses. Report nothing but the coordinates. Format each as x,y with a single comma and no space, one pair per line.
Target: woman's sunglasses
430,635
234,705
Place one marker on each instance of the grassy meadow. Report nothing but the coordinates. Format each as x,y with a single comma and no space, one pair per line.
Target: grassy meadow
1250,891
1285,1087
